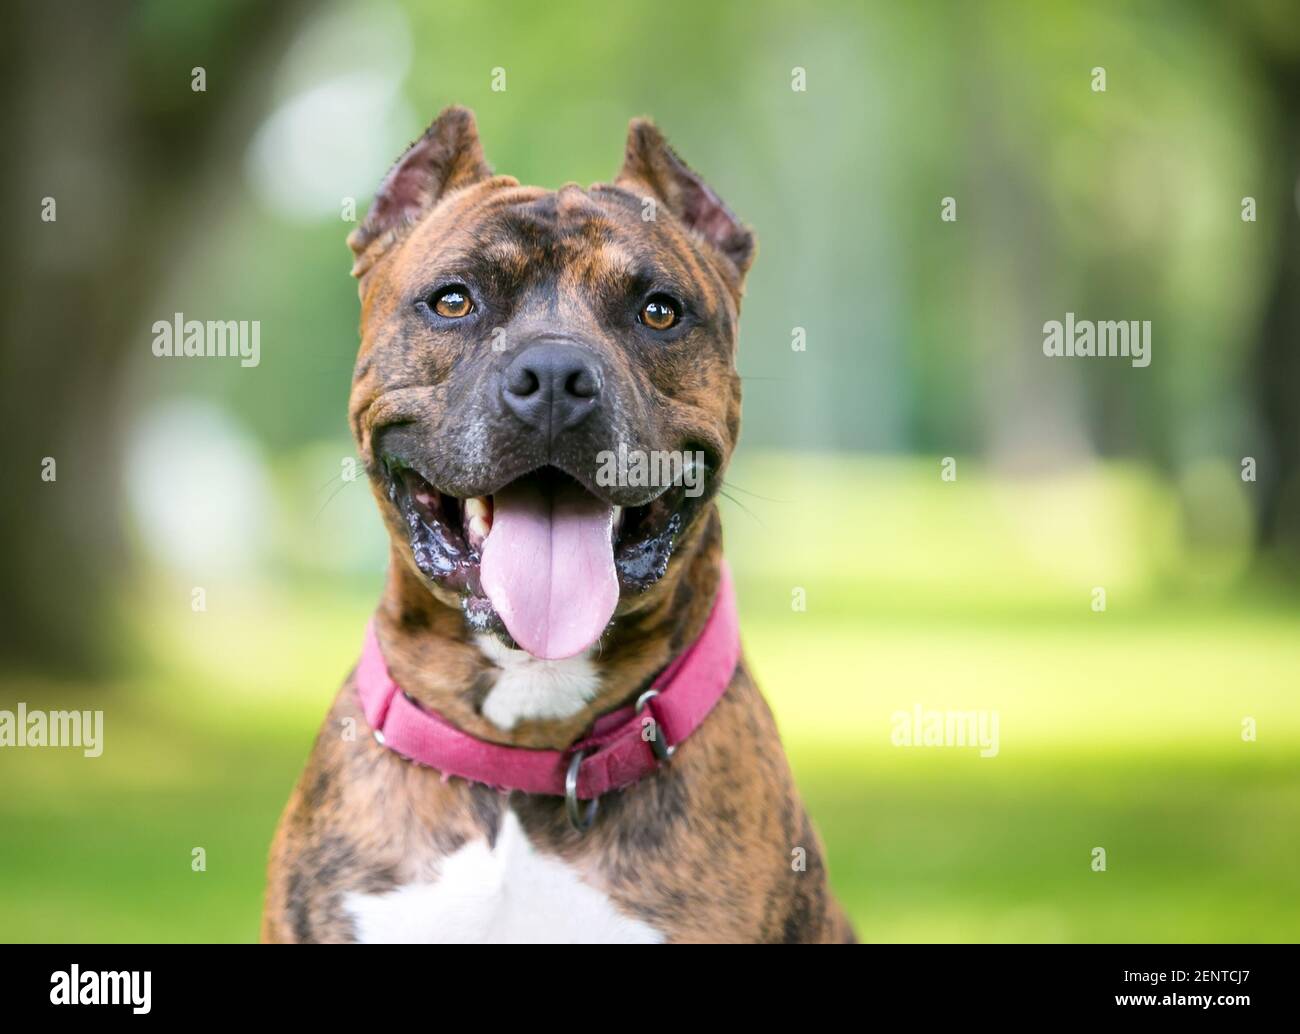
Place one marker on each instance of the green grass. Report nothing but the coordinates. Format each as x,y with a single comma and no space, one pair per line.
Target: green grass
1119,730
1198,849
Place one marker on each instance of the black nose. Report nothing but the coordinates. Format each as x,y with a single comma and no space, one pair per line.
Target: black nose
552,387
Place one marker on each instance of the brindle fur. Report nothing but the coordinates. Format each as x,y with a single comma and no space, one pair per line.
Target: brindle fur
702,849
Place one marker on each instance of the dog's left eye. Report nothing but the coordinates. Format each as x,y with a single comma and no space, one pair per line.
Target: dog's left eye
660,312
452,303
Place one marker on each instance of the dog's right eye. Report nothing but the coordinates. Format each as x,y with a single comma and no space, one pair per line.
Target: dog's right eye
451,302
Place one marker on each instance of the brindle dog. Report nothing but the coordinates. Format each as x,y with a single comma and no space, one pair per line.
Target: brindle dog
509,335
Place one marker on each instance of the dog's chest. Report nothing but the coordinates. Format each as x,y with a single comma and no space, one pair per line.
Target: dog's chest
504,892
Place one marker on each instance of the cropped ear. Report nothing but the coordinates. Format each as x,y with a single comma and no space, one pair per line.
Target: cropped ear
651,165
446,157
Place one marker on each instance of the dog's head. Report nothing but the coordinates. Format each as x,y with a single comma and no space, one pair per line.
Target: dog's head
546,395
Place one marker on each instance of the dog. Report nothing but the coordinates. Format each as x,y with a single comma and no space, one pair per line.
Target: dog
551,735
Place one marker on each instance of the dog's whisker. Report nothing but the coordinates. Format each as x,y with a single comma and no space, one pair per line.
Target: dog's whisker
756,495
746,509
333,496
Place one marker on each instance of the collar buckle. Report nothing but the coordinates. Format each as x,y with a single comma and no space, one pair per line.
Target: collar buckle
662,751
578,819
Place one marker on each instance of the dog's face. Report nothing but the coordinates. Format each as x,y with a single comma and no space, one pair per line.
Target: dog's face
546,395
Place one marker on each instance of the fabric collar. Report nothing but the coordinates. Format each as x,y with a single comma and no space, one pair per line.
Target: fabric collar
620,748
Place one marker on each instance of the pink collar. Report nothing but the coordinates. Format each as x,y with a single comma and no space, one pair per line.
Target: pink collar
620,748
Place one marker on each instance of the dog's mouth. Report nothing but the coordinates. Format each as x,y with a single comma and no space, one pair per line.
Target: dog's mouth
540,563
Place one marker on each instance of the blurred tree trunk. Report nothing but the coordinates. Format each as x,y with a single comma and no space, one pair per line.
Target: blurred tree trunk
1277,353
100,117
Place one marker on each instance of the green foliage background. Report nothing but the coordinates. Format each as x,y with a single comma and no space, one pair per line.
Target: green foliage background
1119,729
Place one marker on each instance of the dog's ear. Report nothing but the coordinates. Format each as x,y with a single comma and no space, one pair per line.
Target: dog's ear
650,165
448,156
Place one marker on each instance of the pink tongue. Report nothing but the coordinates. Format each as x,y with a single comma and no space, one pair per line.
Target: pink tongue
548,566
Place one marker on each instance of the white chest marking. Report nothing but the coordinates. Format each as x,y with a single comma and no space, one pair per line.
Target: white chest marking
505,894
532,688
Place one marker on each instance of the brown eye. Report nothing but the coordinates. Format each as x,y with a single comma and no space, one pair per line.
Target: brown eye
659,313
453,303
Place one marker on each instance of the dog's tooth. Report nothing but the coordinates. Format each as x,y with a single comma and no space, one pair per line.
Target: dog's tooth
476,507
478,530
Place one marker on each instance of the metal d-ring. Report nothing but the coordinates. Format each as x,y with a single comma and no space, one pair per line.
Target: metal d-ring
577,819
657,742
